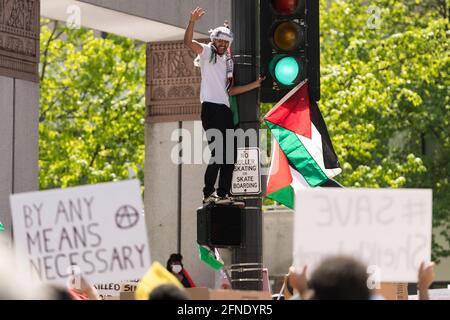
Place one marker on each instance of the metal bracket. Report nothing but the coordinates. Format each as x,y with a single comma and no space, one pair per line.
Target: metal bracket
243,59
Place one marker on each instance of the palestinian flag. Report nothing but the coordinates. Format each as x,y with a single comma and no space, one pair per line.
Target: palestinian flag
303,155
283,180
210,257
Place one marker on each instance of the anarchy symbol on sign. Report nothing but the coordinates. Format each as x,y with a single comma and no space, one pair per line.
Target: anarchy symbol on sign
126,217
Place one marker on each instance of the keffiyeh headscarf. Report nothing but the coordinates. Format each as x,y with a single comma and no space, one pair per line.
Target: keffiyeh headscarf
220,33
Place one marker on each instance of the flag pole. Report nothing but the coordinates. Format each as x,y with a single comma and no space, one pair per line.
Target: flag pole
330,183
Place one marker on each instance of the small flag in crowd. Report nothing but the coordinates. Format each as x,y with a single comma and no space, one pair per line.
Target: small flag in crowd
157,275
210,258
302,153
2,228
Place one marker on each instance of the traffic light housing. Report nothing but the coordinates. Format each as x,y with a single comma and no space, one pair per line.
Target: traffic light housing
289,47
220,226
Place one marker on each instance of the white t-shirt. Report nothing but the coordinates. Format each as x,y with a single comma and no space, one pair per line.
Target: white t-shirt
214,78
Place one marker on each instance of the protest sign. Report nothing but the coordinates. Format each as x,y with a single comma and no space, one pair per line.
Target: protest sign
388,229
96,230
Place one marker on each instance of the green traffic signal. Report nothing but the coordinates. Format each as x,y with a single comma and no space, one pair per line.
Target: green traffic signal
286,70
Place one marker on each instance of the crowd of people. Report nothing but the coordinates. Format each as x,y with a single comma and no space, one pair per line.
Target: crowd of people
346,278
14,285
336,278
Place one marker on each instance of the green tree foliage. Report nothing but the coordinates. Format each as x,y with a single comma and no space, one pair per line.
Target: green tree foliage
92,107
385,96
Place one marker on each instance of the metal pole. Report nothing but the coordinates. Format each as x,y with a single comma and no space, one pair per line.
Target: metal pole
179,190
247,261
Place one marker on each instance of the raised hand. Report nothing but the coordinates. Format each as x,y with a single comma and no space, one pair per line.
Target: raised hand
298,281
425,275
425,279
196,14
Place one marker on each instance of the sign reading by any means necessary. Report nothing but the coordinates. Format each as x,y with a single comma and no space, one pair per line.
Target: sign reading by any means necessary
96,230
246,175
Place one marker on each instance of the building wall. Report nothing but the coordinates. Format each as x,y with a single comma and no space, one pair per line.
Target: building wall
6,147
19,102
442,270
277,241
160,195
19,113
172,12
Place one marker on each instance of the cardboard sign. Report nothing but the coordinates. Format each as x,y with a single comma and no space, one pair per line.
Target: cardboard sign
96,230
393,291
200,293
114,289
388,229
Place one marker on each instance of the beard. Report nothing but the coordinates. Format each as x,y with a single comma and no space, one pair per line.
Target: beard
221,50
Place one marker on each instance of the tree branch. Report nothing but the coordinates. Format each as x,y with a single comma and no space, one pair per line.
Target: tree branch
45,55
96,152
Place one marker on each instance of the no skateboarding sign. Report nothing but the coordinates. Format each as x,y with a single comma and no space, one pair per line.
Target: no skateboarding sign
246,175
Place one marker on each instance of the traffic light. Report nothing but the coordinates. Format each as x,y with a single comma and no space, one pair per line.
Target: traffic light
289,47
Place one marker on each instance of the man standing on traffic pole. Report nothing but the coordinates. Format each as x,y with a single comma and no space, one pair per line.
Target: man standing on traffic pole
216,87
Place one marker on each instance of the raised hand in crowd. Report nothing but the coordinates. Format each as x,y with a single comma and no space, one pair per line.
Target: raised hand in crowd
425,278
299,282
81,289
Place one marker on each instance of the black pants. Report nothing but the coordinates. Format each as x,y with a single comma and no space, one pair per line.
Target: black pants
223,149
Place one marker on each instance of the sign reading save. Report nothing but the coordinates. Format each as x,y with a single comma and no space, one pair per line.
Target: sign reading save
98,230
388,229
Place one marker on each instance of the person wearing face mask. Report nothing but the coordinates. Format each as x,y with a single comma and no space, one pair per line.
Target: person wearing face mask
175,265
216,65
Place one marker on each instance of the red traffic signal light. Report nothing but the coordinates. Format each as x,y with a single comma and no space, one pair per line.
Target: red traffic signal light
287,7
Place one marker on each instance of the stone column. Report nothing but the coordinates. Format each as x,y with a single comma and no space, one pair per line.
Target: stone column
19,101
173,192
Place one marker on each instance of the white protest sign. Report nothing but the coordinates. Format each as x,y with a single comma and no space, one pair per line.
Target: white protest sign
96,229
388,229
246,177
434,294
